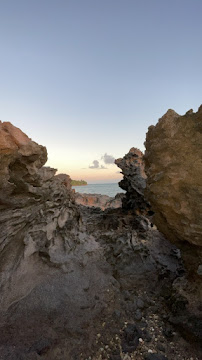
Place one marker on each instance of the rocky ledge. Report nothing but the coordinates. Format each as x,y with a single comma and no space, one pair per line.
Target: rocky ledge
81,283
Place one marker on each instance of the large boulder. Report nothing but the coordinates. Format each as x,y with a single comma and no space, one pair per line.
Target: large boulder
173,164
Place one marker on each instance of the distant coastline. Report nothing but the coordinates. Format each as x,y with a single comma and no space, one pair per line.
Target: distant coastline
110,189
78,183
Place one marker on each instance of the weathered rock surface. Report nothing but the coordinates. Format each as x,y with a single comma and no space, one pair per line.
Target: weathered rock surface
20,160
78,281
134,181
101,201
44,250
173,163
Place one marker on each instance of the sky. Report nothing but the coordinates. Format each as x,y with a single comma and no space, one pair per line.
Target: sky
86,78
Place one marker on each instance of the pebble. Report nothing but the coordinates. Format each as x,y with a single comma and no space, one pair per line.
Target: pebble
126,295
126,357
138,315
161,348
140,303
117,313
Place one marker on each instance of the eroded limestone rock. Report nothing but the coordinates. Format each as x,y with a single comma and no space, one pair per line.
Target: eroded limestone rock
72,276
134,181
173,163
50,268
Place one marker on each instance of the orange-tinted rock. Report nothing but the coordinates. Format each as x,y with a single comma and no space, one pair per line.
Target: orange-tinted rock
20,159
97,200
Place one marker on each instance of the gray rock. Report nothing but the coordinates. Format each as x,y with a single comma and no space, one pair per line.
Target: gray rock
138,315
140,303
155,357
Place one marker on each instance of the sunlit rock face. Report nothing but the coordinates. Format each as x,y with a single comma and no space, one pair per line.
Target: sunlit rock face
173,163
134,181
20,160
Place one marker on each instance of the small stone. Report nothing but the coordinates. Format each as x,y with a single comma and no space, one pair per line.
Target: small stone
131,337
117,313
168,332
155,356
126,295
138,315
161,347
199,271
140,303
126,357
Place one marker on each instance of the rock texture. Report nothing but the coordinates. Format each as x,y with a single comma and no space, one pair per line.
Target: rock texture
43,251
77,282
101,201
35,206
134,181
21,159
173,160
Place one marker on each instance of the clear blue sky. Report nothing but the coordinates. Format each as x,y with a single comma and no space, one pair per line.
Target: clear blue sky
87,77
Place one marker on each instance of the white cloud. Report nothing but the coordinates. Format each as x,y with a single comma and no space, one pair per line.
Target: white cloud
108,159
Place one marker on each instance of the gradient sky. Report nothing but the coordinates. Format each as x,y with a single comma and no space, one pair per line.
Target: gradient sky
86,78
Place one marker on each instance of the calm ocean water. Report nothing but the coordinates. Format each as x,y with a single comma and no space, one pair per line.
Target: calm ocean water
103,189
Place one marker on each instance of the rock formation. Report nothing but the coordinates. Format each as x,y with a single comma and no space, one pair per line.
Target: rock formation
43,250
173,161
101,201
134,181
78,282
21,159
35,206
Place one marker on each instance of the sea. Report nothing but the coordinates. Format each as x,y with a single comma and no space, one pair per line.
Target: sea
103,189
